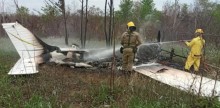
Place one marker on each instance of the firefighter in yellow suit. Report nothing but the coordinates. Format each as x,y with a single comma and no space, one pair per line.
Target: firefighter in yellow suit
196,45
130,41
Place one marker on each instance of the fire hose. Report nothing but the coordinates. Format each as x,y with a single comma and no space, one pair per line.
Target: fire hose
172,54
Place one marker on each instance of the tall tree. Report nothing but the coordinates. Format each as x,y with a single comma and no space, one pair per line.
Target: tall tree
49,15
110,23
50,12
61,5
184,11
216,13
125,14
203,13
136,12
57,8
146,7
2,16
105,22
82,14
86,22
23,13
16,4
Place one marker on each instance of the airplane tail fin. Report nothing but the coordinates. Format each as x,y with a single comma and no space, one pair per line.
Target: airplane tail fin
29,47
23,40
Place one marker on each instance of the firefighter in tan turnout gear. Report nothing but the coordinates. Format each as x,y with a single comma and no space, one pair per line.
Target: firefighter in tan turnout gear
130,41
196,46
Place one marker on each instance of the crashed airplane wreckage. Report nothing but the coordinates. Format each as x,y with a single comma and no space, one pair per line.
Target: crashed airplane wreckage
34,51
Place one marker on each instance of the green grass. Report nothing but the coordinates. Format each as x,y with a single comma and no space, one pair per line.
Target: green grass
11,95
212,54
147,93
101,95
37,101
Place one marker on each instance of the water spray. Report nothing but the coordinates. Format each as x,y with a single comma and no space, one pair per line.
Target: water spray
102,53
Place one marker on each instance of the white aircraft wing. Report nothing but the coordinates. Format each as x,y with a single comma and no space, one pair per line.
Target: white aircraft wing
182,80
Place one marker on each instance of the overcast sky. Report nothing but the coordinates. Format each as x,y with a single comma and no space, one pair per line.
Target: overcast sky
75,4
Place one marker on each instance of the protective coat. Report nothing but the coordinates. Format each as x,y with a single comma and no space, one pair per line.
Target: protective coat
129,49
195,54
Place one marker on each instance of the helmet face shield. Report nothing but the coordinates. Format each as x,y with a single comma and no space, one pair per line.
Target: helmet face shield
132,28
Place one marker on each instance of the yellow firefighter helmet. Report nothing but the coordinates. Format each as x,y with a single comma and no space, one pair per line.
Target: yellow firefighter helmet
199,31
130,24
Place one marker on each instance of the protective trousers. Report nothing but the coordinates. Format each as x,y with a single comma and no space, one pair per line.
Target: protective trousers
128,59
192,60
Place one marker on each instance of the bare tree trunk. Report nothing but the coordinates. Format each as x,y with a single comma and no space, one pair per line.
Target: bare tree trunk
82,25
110,23
113,59
196,22
2,17
3,11
64,16
66,34
174,32
105,29
17,8
175,14
16,4
84,44
19,17
113,24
